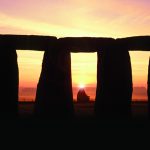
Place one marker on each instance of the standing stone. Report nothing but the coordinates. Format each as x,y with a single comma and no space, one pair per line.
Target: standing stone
114,84
9,82
54,97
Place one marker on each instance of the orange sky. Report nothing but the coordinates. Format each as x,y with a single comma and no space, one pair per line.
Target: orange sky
109,18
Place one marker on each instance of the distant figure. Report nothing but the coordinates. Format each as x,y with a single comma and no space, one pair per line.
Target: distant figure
82,96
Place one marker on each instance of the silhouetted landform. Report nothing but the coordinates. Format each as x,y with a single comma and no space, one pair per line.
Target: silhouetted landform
54,90
82,97
30,91
27,94
140,92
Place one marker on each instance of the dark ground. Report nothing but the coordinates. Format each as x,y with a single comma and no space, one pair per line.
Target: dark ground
82,129
86,110
84,119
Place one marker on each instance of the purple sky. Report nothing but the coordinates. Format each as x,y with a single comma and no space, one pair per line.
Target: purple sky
77,18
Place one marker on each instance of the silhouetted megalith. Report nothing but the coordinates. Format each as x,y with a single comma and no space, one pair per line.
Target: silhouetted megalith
135,43
54,91
82,96
84,44
9,82
27,42
114,84
113,73
75,44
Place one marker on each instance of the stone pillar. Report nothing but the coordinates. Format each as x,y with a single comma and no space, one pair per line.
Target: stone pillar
54,96
114,84
9,80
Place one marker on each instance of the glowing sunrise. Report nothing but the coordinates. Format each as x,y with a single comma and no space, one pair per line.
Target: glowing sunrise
97,18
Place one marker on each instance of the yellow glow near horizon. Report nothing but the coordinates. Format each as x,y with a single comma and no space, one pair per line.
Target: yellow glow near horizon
139,62
82,86
84,68
29,67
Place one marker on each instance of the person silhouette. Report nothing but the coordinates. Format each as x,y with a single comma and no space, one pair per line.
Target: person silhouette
82,96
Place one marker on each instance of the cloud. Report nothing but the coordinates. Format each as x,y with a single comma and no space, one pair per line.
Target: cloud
34,27
76,18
